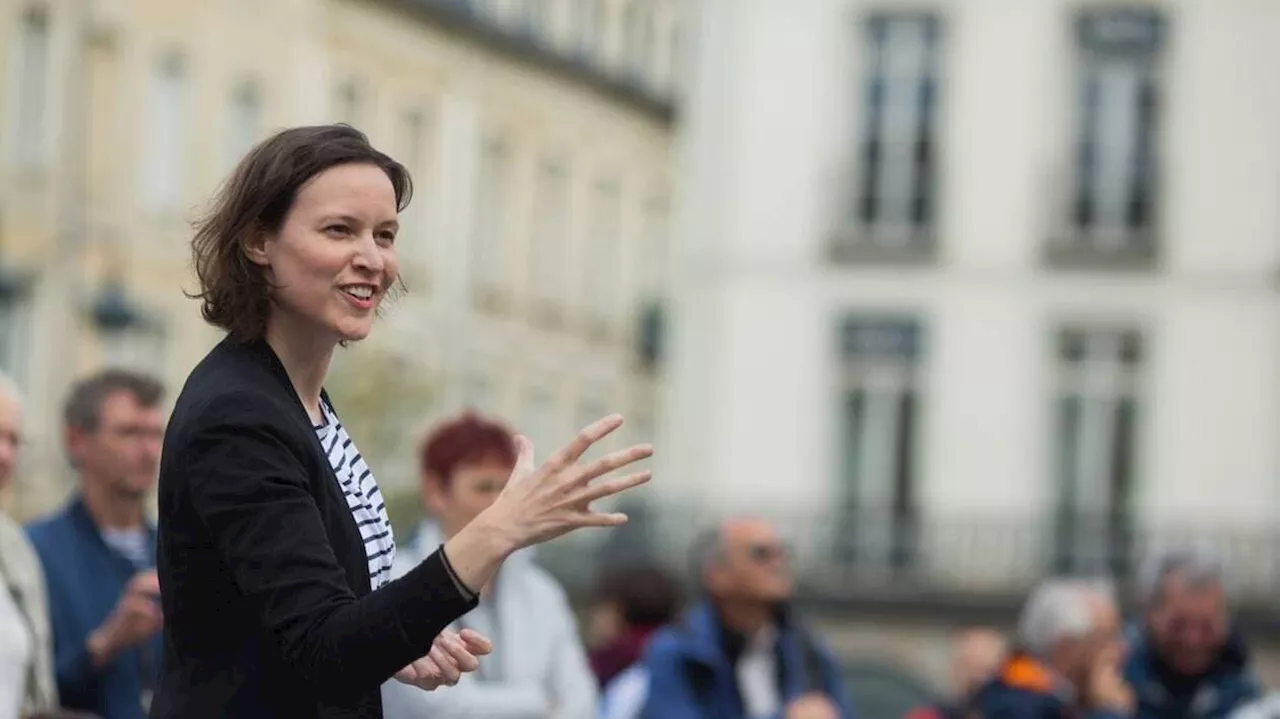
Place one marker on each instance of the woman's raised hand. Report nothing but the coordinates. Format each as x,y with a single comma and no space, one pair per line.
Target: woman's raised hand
545,501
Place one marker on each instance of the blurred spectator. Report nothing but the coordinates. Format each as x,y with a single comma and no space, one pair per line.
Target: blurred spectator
1266,706
1066,664
742,653
99,551
26,644
975,658
538,667
1187,660
630,604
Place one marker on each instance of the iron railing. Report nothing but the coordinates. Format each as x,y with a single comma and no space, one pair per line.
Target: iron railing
866,552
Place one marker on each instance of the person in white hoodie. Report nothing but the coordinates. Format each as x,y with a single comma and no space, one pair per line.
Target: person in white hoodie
539,668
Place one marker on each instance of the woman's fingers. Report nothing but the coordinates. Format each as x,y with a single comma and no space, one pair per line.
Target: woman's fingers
616,460
475,642
449,672
589,435
600,490
462,659
430,676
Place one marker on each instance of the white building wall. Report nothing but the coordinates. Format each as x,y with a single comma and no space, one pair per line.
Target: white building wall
751,417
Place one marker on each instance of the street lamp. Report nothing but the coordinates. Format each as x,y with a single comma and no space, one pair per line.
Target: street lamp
113,312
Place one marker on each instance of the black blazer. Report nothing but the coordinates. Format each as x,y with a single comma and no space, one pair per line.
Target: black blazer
263,576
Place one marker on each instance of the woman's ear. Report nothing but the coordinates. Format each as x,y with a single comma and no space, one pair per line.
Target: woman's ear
255,248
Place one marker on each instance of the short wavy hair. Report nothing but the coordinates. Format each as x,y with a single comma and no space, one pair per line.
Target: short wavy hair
234,292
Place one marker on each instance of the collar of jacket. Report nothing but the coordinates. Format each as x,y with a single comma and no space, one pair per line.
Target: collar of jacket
1024,672
259,352
706,639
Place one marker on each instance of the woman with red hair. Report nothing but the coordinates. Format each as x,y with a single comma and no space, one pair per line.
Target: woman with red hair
539,667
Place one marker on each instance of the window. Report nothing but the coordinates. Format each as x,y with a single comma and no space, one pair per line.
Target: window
879,410
412,147
653,251
245,126
1095,435
31,84
166,136
539,422
603,263
896,199
588,27
1115,149
532,17
548,248
477,392
491,200
15,331
637,38
349,104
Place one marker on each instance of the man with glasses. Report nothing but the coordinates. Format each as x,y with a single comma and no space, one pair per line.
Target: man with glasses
741,653
98,552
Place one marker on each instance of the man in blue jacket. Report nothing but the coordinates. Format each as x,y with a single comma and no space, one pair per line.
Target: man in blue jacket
742,654
1186,661
98,552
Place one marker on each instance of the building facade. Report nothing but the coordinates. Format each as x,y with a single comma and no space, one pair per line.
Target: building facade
538,133
980,289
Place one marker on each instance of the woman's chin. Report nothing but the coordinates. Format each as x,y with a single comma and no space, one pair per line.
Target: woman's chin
353,331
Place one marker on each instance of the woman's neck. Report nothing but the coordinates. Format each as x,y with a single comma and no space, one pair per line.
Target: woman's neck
305,359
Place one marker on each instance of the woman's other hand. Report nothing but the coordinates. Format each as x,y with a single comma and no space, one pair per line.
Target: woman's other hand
451,656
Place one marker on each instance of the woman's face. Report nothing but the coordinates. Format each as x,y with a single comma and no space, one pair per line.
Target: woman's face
334,258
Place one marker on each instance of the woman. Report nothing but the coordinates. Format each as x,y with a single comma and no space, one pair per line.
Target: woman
26,641
274,547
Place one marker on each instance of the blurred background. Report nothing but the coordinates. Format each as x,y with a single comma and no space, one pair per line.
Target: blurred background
958,293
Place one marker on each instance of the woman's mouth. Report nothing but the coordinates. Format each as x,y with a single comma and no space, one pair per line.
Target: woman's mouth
361,295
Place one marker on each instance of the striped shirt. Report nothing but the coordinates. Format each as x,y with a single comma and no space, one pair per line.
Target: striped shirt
363,497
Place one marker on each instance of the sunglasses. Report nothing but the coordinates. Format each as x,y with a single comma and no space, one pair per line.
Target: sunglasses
766,553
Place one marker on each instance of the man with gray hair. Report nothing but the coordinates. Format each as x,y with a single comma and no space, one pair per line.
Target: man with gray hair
1067,658
742,653
1185,660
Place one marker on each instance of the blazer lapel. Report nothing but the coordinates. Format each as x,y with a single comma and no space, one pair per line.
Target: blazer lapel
262,352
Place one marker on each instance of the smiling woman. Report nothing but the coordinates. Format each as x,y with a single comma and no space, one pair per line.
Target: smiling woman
274,545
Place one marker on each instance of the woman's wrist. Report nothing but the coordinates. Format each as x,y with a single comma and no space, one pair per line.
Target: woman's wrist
478,549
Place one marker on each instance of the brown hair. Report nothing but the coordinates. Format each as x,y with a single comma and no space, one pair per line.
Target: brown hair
83,409
234,292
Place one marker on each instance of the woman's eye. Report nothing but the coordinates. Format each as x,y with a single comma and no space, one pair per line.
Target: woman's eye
387,237
336,230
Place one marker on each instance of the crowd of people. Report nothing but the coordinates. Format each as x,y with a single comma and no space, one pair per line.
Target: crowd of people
80,628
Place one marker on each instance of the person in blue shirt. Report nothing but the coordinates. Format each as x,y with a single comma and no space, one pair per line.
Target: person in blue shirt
98,552
1185,660
742,653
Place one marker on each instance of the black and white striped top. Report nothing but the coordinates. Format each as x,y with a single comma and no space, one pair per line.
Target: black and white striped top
363,497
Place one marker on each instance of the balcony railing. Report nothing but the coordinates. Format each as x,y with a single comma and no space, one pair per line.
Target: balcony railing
870,553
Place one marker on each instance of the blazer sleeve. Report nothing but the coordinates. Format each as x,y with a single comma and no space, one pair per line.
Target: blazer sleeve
252,495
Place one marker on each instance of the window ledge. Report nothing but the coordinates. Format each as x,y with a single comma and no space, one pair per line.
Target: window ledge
1076,251
873,247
